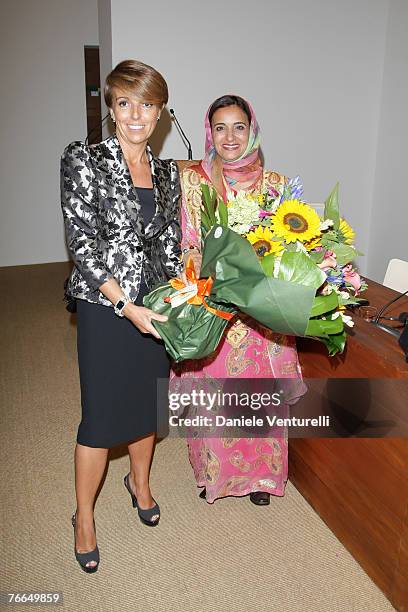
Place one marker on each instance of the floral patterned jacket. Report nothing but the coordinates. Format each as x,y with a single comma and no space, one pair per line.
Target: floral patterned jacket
104,225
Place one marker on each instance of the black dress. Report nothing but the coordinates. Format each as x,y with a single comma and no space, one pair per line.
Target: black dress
119,368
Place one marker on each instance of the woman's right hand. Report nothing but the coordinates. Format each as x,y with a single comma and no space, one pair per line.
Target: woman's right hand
142,318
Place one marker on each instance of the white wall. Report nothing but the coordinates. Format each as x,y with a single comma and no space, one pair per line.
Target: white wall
42,110
313,71
389,225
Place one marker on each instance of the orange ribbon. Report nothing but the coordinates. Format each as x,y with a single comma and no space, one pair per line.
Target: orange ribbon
203,290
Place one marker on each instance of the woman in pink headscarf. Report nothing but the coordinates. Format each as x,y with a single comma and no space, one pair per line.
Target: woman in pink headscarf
236,466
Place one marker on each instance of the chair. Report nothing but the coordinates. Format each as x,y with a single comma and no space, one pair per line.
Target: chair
396,276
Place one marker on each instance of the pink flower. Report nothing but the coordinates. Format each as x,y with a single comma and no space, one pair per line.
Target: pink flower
329,261
272,192
264,213
352,277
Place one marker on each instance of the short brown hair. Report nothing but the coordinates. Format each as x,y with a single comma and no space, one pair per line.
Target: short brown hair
138,78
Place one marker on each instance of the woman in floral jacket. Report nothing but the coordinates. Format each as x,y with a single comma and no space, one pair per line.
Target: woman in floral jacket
121,213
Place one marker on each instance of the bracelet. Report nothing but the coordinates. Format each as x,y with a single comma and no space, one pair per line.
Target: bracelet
120,304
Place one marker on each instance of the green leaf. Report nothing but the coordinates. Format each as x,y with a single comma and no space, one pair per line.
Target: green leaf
350,300
324,327
344,252
208,203
291,247
335,343
324,303
330,235
316,256
268,264
223,212
331,207
205,221
299,268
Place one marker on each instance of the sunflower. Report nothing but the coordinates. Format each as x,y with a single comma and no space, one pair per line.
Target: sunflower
263,243
346,232
294,220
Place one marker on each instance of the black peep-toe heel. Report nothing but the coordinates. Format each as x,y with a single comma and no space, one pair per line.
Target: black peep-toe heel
85,558
150,516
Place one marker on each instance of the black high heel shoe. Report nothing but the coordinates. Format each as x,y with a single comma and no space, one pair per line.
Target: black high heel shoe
260,498
85,558
150,516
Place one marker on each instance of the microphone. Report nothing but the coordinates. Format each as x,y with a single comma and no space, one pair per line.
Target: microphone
95,128
184,137
387,328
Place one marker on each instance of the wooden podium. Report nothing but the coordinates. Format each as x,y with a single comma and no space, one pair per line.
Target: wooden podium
359,486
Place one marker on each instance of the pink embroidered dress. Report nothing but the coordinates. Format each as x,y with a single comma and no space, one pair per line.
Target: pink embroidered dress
238,466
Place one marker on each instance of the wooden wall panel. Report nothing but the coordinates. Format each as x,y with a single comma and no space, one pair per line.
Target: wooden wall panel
359,486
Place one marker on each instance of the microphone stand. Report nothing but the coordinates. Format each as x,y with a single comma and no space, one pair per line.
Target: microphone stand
96,127
388,328
186,140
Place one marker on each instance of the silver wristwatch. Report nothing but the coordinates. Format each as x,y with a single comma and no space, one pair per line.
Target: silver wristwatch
120,304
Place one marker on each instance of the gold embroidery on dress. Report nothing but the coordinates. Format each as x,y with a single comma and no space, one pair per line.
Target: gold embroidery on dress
236,333
236,459
192,193
237,362
229,442
289,367
262,483
192,180
233,484
272,442
274,462
212,463
274,349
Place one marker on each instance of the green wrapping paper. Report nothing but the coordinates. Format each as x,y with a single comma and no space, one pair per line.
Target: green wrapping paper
191,331
239,279
287,304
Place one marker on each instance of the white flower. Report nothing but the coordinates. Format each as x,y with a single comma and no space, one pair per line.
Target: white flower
274,207
243,212
276,266
327,289
324,225
347,320
343,294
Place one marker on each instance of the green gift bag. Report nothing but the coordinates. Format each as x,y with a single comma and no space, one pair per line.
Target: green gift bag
192,331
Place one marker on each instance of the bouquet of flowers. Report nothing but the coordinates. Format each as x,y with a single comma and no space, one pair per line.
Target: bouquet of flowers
308,278
268,255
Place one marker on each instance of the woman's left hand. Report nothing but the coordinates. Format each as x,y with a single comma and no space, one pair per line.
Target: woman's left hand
142,318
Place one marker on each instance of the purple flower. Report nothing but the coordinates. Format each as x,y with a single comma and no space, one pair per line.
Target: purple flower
272,192
336,280
296,188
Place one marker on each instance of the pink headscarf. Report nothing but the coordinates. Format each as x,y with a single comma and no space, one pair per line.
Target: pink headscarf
244,172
